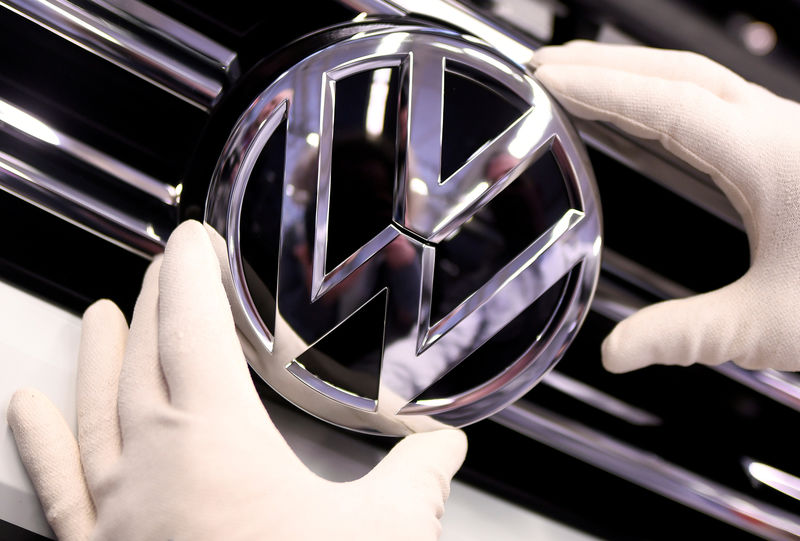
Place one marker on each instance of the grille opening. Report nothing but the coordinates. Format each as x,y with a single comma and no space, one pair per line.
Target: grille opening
660,230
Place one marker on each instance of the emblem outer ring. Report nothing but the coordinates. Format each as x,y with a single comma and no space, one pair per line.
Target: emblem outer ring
355,52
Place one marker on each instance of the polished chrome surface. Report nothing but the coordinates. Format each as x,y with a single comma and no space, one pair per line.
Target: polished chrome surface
140,40
374,7
426,212
772,477
650,471
783,387
456,14
28,183
198,45
26,126
617,304
640,276
600,400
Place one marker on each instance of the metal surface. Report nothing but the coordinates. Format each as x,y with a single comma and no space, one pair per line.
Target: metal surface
374,7
650,471
427,208
782,387
189,40
772,477
617,304
600,400
56,197
25,126
140,40
454,14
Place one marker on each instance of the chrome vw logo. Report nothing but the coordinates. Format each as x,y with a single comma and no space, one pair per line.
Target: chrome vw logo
360,265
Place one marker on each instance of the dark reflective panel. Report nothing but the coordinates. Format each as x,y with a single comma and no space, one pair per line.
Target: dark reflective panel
260,226
503,349
466,126
363,161
350,355
497,233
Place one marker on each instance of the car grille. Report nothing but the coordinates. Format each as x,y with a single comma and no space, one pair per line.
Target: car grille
103,105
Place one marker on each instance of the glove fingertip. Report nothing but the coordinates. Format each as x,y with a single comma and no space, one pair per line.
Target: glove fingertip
23,407
555,54
613,356
449,444
453,439
103,308
192,239
550,76
50,455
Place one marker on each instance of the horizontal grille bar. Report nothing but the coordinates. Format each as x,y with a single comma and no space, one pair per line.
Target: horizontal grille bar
24,126
54,196
508,42
600,400
140,40
649,471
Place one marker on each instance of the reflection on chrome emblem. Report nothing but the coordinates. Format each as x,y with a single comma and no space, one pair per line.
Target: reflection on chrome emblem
413,231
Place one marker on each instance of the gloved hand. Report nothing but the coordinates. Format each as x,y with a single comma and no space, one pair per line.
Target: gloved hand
747,140
174,443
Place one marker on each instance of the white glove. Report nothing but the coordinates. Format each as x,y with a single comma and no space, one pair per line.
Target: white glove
174,443
748,141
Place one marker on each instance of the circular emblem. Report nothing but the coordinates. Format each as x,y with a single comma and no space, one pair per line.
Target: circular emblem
412,231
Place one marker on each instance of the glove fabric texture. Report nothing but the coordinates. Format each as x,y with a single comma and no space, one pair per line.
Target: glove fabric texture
747,140
174,442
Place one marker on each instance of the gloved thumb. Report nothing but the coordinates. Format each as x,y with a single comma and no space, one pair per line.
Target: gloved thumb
711,329
421,466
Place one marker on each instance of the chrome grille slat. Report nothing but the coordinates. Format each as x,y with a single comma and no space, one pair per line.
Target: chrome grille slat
600,400
774,478
199,45
456,14
28,128
649,471
642,277
54,196
779,386
140,40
